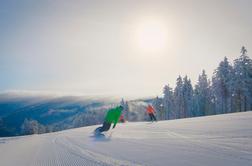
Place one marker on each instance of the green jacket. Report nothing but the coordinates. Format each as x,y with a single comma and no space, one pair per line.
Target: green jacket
113,115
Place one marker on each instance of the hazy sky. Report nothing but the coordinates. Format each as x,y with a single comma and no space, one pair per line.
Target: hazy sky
117,47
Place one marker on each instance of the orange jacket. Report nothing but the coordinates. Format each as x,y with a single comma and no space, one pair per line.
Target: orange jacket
150,110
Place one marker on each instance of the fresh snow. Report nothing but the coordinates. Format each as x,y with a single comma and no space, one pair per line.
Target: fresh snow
206,141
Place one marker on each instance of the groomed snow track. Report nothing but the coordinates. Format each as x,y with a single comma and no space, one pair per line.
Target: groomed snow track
214,140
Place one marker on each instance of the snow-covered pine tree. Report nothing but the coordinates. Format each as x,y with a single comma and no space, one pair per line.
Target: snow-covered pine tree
168,103
242,81
122,102
221,87
126,110
158,106
202,96
125,105
178,98
187,97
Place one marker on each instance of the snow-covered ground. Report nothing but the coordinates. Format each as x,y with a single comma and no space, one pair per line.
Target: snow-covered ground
214,140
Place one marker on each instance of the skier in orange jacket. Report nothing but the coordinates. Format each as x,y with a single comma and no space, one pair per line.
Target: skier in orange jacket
150,111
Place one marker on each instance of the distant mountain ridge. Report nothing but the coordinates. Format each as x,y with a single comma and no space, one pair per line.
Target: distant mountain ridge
48,110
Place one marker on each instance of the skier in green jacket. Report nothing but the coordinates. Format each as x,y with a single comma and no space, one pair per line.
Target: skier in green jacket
112,116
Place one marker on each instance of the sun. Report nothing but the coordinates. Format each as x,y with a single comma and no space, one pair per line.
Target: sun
151,36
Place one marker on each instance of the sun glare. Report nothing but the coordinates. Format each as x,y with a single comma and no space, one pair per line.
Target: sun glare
151,36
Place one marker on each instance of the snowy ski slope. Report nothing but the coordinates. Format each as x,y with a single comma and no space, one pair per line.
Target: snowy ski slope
206,141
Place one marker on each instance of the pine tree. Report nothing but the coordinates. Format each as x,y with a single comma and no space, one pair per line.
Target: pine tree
158,106
187,97
178,98
168,103
122,102
126,110
125,105
242,81
202,96
221,86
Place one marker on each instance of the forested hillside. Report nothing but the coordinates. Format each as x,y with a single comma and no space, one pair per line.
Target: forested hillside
228,90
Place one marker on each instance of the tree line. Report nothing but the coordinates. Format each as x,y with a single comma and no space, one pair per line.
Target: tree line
229,90
92,116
